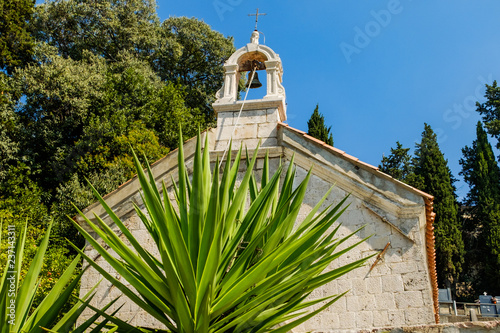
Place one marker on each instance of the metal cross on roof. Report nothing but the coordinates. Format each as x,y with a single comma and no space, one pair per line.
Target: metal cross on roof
257,17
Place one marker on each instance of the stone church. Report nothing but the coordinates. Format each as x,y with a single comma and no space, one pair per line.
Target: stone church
397,288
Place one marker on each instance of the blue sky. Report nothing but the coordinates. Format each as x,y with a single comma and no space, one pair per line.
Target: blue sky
378,70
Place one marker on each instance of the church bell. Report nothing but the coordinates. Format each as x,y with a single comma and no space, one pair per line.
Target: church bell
255,82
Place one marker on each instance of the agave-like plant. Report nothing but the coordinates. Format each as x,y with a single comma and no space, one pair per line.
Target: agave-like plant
224,267
17,313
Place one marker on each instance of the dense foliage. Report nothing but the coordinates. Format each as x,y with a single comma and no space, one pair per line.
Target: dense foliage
16,43
400,165
83,81
482,214
316,127
432,167
490,110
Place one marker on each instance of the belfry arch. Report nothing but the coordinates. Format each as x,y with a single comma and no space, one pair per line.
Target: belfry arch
246,59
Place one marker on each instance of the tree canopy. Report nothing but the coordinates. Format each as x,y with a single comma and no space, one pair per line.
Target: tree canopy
398,164
316,127
482,215
16,43
82,82
437,180
490,110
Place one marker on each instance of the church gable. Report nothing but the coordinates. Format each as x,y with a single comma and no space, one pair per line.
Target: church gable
397,288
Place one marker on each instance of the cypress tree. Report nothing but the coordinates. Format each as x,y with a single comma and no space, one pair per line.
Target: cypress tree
490,110
316,127
437,180
16,43
482,223
397,164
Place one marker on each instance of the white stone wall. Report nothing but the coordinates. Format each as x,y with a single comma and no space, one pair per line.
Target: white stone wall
396,292
252,127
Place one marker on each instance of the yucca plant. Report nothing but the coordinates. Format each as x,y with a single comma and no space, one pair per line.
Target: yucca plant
17,313
224,267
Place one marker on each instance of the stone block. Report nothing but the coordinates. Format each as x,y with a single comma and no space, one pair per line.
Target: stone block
393,255
397,318
268,142
380,318
415,281
366,302
329,321
344,284
90,279
427,297
313,323
252,117
385,301
348,320
413,253
272,116
316,293
373,285
383,229
247,131
409,299
358,287
340,306
398,240
221,145
421,265
418,316
381,269
330,288
250,144
392,283
403,267
353,304
364,319
225,119
368,230
378,242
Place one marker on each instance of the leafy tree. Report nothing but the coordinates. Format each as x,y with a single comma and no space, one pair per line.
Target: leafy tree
490,110
9,126
22,206
107,167
181,50
79,118
103,78
316,127
482,224
74,111
102,27
437,180
59,93
192,54
16,43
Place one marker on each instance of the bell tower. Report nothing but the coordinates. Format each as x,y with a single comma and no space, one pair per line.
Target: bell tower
249,121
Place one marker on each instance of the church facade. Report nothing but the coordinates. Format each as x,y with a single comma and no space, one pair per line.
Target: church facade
397,288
